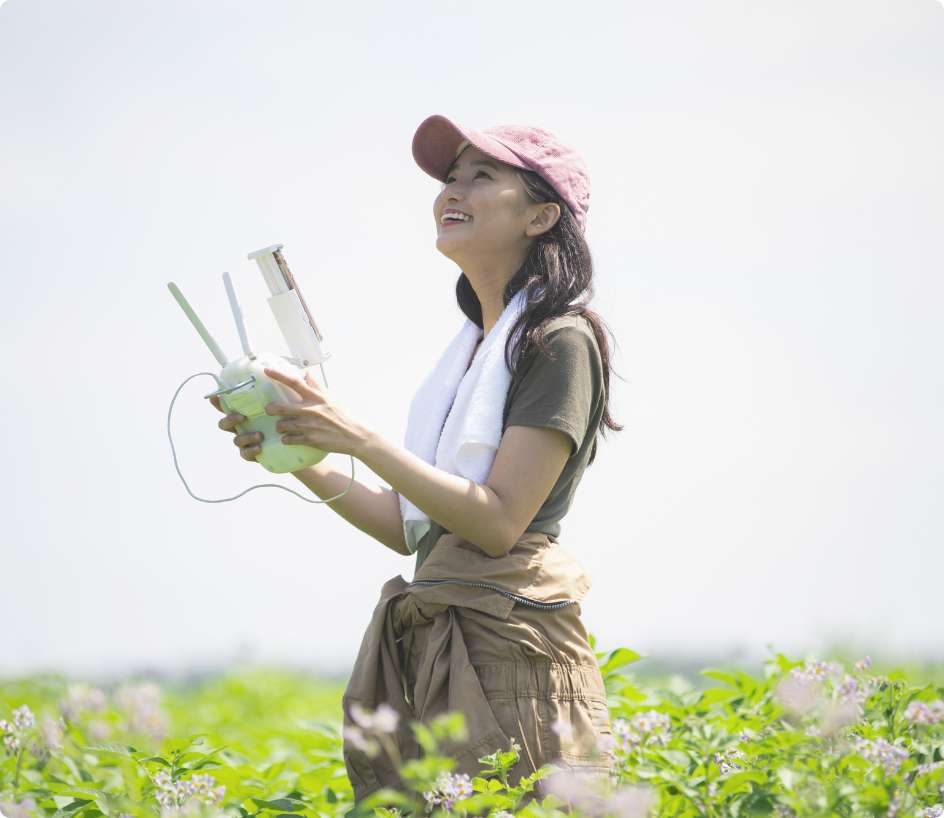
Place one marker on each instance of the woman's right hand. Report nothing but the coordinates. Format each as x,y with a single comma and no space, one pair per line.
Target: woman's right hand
250,443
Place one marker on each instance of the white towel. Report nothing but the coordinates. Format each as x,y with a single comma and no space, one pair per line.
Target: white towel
455,417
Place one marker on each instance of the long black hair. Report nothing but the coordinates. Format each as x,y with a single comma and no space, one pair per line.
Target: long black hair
557,277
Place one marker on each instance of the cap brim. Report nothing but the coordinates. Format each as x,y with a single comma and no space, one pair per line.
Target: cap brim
437,140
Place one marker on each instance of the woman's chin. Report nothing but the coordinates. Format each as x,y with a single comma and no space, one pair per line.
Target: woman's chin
447,245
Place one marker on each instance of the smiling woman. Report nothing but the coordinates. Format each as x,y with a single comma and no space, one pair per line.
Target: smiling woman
499,436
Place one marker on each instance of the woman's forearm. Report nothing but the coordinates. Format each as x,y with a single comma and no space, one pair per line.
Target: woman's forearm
374,511
464,507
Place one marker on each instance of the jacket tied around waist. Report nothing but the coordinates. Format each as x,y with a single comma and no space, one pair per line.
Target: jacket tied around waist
497,638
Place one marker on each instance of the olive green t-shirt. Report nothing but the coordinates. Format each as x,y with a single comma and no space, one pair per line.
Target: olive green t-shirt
566,394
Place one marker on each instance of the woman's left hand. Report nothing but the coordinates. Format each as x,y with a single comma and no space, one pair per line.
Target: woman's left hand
316,421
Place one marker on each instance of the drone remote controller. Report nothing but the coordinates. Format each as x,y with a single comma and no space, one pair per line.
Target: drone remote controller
243,384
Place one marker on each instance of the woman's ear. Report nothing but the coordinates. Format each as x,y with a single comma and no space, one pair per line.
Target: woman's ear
546,217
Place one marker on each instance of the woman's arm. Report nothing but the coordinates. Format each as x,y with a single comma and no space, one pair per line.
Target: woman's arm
374,511
529,461
492,516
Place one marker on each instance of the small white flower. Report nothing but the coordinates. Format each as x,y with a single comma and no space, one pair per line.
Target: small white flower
839,714
799,694
23,809
52,733
98,730
563,728
727,760
449,789
919,712
80,698
356,737
815,670
632,802
141,703
189,794
11,743
386,719
924,769
462,785
879,751
361,716
653,726
23,718
575,789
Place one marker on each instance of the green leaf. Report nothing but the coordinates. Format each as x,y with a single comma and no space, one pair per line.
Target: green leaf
741,782
714,695
789,778
678,759
387,796
424,737
617,659
722,676
279,803
78,803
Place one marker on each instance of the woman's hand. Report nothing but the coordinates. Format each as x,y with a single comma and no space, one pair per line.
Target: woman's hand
316,421
250,443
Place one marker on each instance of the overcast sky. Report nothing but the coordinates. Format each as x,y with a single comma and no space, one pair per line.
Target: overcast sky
767,197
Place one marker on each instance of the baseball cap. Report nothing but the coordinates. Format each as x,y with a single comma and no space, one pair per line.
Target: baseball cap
438,141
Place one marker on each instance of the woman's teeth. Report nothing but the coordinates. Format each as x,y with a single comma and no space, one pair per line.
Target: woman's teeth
455,217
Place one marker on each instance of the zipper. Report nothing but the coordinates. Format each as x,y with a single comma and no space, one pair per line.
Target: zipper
523,600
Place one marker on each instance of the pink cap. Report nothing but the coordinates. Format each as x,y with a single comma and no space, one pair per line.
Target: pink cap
437,142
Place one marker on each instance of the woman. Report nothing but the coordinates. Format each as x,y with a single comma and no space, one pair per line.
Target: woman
490,625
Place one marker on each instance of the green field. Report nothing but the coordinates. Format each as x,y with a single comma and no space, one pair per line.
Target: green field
834,736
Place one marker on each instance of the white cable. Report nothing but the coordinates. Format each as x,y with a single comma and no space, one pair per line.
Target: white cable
258,486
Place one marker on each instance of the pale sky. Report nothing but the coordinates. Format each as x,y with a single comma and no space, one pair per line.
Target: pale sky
767,196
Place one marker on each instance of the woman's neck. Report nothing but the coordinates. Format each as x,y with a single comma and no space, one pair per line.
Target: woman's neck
477,345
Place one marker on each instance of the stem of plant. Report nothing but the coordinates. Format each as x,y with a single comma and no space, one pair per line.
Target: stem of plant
391,749
19,764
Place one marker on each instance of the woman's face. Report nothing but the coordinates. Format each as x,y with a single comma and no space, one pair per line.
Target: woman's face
502,223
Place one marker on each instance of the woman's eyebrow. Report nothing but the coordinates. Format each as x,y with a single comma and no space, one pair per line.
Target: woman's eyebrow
485,162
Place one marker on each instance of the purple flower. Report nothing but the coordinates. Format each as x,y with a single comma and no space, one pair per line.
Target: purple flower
449,789
727,761
919,712
23,809
813,669
924,769
879,751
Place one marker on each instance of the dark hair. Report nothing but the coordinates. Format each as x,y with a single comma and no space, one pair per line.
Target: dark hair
557,272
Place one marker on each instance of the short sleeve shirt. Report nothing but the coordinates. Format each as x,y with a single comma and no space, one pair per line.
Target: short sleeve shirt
564,393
